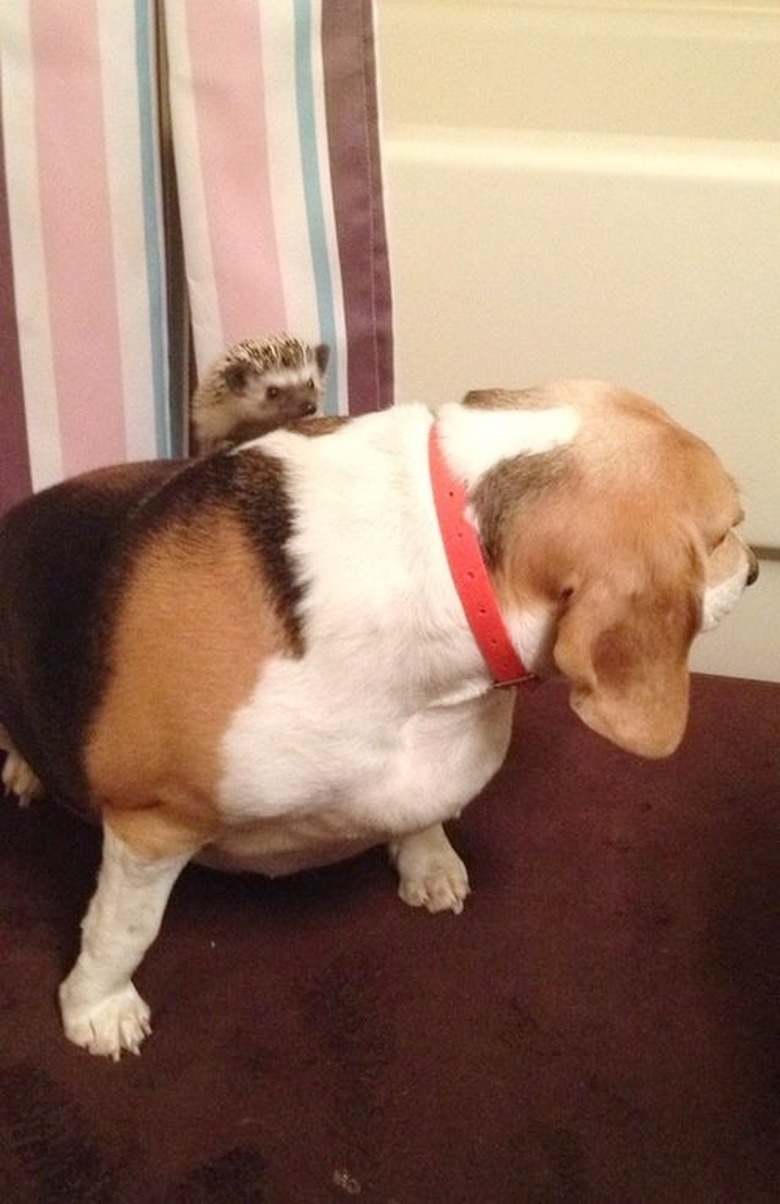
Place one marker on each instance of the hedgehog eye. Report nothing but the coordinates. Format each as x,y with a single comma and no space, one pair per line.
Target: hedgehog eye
272,392
310,383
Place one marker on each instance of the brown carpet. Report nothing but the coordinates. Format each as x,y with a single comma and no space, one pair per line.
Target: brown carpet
601,1024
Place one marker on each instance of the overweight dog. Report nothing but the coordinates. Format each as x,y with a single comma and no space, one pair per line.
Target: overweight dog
286,653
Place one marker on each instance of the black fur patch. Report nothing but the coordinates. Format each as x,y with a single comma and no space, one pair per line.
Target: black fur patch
65,558
55,552
252,487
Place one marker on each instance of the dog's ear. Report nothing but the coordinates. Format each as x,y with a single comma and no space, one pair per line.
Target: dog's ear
624,652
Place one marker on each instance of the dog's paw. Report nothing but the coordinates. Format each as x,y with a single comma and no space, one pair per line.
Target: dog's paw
441,888
430,872
19,779
108,1028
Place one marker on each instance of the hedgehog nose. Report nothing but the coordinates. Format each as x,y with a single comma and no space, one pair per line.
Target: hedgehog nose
309,408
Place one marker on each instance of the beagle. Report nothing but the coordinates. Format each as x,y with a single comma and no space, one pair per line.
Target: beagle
288,652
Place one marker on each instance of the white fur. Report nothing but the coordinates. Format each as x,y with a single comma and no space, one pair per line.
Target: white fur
720,599
286,377
20,780
476,439
317,745
17,776
532,633
430,872
101,1009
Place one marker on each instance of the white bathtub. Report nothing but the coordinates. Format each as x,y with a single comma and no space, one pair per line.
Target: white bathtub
595,191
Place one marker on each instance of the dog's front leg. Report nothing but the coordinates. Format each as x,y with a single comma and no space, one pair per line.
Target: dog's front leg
430,872
101,1009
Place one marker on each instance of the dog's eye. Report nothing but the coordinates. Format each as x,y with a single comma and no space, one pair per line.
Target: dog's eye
272,392
718,541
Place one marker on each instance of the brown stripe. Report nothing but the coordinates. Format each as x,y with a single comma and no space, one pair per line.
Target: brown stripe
181,352
15,480
355,163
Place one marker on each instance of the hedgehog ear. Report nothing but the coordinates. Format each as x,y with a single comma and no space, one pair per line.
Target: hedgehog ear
322,355
236,376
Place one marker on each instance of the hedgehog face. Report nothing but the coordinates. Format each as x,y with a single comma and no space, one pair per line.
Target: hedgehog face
278,397
258,385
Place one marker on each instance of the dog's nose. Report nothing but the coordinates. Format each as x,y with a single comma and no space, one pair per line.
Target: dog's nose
752,567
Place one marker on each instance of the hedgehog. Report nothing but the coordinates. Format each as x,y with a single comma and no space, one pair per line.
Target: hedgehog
256,386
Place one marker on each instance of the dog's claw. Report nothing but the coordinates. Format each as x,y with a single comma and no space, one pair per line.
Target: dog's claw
439,891
430,872
116,1025
19,779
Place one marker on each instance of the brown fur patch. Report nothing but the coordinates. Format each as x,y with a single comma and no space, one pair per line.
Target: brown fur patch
514,488
191,633
509,399
612,538
313,427
251,485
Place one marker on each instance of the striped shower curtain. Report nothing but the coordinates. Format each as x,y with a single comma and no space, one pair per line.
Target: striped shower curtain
203,165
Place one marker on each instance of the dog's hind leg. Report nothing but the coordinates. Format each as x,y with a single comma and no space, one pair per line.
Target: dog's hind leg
101,1009
16,775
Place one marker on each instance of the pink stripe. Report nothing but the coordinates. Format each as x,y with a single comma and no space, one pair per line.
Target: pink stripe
227,68
75,216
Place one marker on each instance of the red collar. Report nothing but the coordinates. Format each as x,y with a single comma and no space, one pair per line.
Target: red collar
467,567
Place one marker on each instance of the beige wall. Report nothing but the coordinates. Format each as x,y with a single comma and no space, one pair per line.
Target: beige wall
594,191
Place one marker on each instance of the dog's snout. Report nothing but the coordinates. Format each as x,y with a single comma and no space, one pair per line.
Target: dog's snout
752,567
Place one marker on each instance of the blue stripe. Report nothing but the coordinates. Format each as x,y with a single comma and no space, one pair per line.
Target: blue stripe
312,188
150,184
